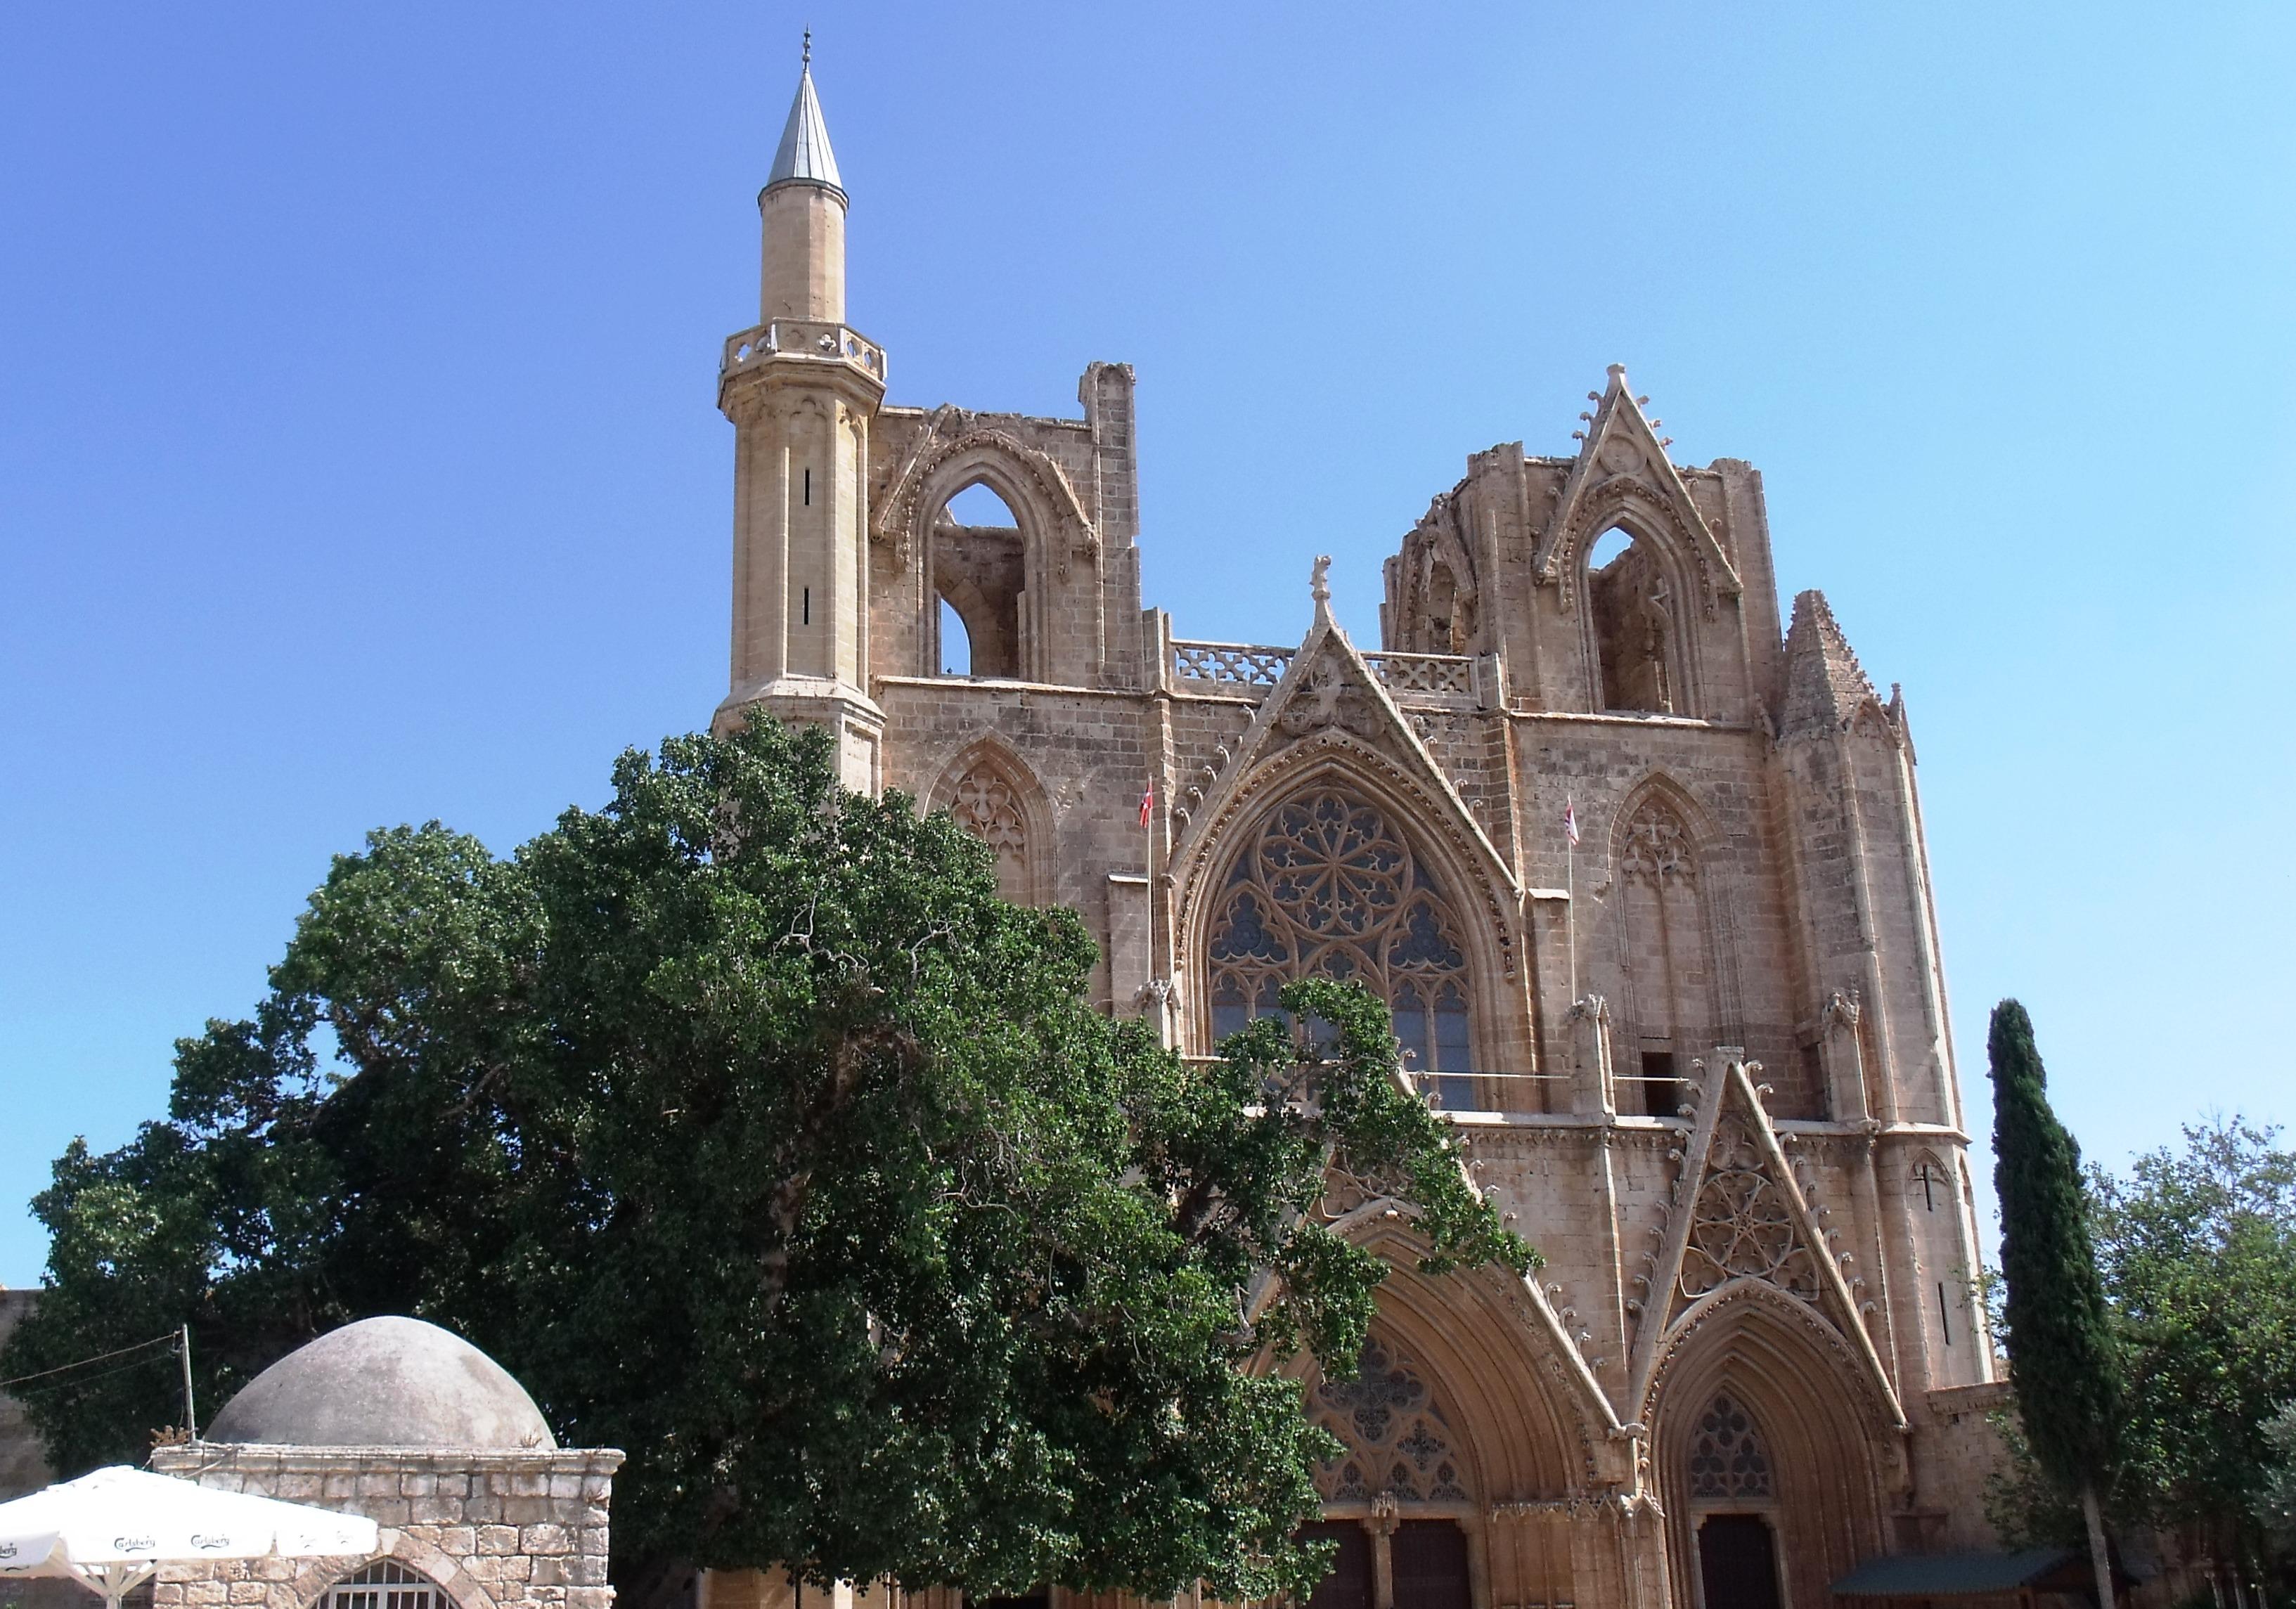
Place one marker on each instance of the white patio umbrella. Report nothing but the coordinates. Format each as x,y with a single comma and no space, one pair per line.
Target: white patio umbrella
111,1530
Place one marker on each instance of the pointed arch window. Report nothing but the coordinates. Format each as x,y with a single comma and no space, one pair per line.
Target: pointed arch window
978,577
1328,888
1636,631
1394,1440
987,803
1729,1461
1665,952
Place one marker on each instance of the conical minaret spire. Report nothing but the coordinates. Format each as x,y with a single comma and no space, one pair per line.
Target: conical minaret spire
803,209
804,156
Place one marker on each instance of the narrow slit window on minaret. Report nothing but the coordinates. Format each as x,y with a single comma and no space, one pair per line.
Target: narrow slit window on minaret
1945,1314
808,488
805,608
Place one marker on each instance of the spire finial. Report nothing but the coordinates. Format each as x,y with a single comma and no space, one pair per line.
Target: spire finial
1319,582
804,154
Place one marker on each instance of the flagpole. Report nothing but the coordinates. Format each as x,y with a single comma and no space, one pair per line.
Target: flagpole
1570,906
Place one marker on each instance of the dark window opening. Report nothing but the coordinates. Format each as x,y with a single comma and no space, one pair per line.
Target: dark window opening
805,608
808,488
1929,1180
1662,1094
1945,1314
1738,1562
1348,1586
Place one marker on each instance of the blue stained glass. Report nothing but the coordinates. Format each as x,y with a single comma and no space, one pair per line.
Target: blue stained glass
1329,889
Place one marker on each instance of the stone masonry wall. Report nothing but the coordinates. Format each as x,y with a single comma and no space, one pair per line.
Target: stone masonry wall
496,1530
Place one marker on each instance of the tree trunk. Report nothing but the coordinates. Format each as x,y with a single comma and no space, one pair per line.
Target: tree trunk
2098,1559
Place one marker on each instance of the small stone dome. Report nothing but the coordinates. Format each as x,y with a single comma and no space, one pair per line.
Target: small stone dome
385,1382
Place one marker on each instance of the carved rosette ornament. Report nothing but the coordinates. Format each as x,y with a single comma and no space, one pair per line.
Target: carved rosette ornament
1657,848
1742,1225
1329,697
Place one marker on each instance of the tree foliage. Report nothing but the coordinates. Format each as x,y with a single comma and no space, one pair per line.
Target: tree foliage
2060,1358
746,1125
2198,1248
2062,1364
2275,1502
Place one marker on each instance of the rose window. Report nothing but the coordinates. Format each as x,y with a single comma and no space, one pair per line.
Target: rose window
1742,1225
1328,888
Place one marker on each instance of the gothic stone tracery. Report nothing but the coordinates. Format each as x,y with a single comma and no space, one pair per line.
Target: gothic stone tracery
1329,888
1394,1437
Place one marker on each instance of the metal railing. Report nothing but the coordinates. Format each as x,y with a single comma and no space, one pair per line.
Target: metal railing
1459,1091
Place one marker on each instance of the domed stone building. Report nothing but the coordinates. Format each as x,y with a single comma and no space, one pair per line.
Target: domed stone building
418,1430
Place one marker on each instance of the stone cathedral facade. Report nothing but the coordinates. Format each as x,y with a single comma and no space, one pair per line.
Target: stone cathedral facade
1702,1059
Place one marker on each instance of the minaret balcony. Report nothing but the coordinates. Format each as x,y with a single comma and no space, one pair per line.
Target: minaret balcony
801,340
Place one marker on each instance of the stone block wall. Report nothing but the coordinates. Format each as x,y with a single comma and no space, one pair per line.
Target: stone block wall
494,1530
24,1461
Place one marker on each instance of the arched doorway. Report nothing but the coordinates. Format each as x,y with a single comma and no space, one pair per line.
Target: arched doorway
1737,1563
1769,1452
1734,1492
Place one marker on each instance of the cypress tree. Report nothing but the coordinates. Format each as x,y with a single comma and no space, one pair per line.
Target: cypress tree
2061,1359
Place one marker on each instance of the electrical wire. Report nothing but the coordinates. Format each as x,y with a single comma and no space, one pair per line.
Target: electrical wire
172,1338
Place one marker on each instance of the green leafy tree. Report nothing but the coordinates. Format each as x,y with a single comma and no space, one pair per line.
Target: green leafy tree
2275,1503
2198,1251
748,1127
2062,1362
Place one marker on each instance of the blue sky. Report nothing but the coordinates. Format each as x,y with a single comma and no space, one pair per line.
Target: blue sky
358,461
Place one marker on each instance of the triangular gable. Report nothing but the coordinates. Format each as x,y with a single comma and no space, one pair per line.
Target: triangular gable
1739,1216
1623,461
1329,695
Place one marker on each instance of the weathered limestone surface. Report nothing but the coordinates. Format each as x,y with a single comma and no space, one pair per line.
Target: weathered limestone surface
1700,1056
495,1528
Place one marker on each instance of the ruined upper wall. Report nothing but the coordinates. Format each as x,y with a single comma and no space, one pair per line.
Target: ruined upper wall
1514,560
1066,596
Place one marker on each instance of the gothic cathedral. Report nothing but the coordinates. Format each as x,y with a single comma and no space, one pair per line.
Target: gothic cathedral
1640,872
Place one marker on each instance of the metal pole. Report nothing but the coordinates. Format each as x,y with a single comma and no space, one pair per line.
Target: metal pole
190,1420
1570,910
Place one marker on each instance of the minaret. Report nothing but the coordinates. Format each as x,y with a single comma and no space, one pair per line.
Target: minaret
801,389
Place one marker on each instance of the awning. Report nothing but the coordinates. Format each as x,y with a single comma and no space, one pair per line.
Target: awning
1966,1574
